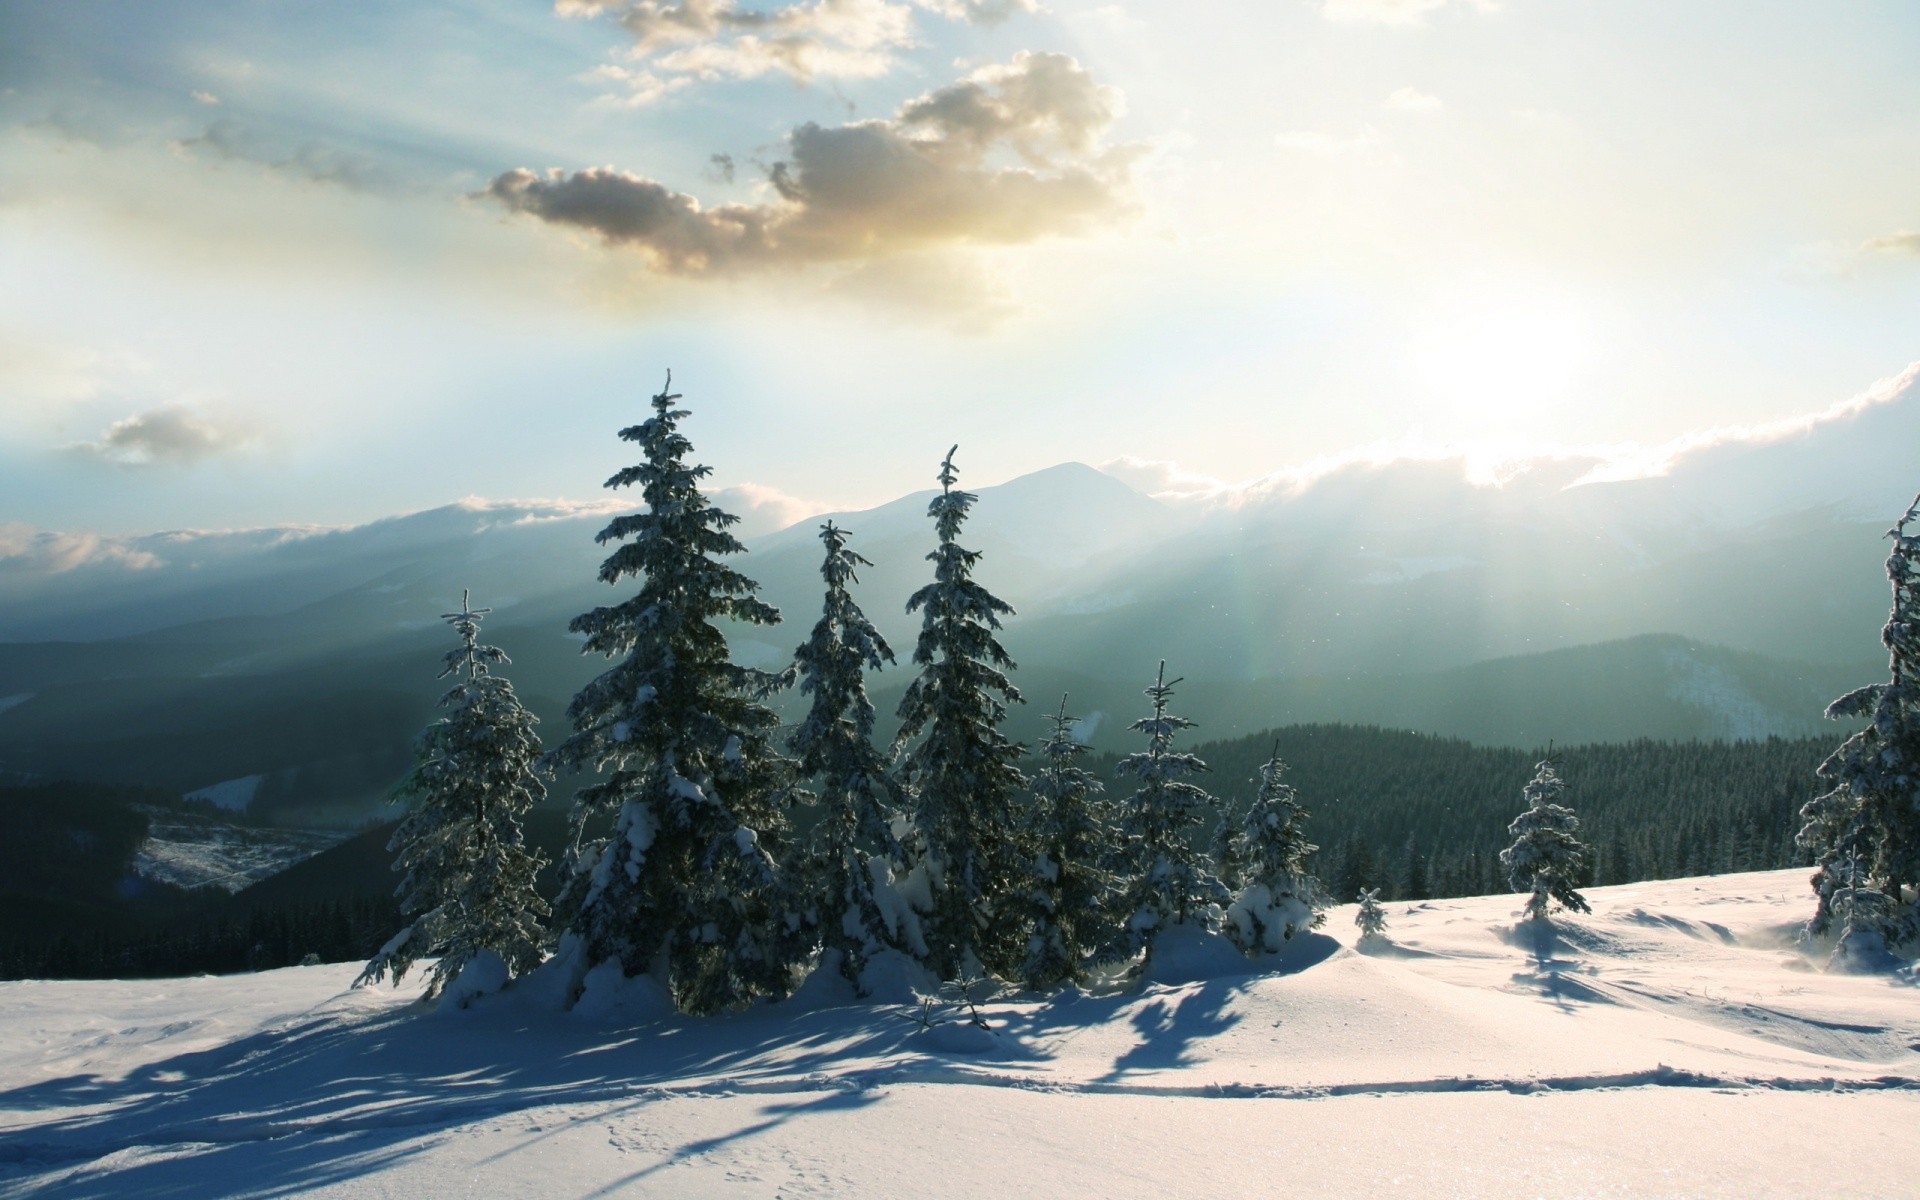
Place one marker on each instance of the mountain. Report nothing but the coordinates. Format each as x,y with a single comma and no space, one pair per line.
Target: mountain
1731,594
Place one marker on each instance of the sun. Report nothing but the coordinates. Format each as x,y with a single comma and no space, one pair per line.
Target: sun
1502,371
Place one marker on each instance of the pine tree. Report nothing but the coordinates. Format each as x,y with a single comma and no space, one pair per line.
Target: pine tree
468,885
1070,893
1265,864
1356,868
1372,919
1165,881
683,884
962,769
853,847
1546,858
1414,883
1871,817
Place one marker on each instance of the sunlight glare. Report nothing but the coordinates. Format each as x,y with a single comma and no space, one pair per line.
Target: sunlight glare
1501,371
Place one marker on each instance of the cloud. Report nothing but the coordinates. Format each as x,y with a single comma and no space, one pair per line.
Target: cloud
1554,467
923,179
1163,480
1905,243
1635,462
170,436
28,551
764,509
678,41
313,162
1412,100
979,12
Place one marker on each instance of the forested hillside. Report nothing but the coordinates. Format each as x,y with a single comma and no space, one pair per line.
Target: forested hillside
1651,809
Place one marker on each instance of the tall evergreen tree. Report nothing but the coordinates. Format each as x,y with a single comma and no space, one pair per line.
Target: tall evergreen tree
962,769
1265,866
1869,823
853,849
673,868
1070,894
1546,859
468,884
1165,878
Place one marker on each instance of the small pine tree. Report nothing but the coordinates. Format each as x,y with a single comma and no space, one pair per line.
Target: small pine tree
1372,919
1546,858
468,886
1265,864
682,883
1165,880
1069,911
961,769
1871,817
853,847
1865,916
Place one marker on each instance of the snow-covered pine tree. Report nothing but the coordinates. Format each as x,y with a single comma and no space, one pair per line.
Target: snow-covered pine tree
1372,919
1872,815
853,849
673,869
1070,910
1864,914
1265,866
468,885
1165,880
962,769
1546,858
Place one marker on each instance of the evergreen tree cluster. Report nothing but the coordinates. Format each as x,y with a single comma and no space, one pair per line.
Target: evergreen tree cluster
686,866
1424,817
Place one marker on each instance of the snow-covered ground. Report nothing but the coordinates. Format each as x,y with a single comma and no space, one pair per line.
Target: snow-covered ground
1671,1044
189,850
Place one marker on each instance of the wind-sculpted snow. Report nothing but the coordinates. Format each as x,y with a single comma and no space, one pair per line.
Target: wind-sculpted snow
1665,1045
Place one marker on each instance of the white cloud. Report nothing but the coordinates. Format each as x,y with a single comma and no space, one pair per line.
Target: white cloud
1551,466
1905,243
1163,480
173,436
763,509
682,40
25,550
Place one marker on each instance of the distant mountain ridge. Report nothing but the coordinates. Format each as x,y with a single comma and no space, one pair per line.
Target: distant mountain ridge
1729,598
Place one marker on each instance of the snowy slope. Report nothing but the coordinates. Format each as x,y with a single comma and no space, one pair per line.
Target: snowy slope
189,850
1671,1044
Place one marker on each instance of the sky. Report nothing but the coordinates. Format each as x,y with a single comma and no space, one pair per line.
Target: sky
283,261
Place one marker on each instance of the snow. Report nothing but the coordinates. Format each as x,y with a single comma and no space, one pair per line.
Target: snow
189,850
1673,1043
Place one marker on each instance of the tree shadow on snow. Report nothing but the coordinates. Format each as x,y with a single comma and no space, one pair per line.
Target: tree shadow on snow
284,1111
1170,1027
